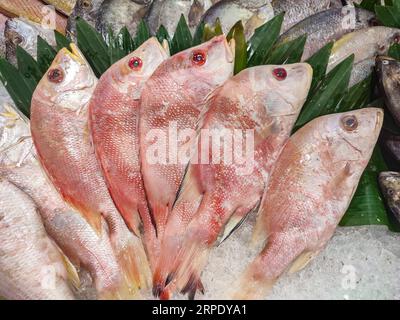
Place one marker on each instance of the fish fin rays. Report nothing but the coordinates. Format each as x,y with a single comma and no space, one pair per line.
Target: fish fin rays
302,261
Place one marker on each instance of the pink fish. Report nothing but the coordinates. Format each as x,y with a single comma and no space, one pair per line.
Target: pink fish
113,114
310,189
173,98
260,106
59,125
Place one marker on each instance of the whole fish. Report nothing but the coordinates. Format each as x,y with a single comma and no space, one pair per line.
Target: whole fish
3,20
20,32
113,120
390,186
116,14
88,10
64,6
388,70
309,191
67,228
59,125
35,11
361,71
168,13
172,100
31,266
218,195
324,27
255,13
364,44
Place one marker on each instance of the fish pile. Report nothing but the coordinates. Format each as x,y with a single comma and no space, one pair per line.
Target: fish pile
122,185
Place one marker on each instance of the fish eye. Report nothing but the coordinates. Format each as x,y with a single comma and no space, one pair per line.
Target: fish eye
199,58
385,62
135,63
86,4
280,74
391,192
55,75
349,123
17,39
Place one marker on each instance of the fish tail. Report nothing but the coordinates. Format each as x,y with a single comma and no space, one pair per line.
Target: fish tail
133,261
160,214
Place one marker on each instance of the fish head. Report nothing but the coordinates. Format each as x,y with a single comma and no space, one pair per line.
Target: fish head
285,87
86,8
69,82
137,67
365,18
212,61
351,136
390,186
16,145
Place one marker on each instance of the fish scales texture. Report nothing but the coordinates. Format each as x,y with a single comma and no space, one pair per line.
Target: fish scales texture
59,125
390,186
33,10
3,20
215,196
174,96
327,26
66,227
388,70
310,189
31,266
88,10
114,112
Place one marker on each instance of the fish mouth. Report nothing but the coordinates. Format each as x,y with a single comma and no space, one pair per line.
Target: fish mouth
74,53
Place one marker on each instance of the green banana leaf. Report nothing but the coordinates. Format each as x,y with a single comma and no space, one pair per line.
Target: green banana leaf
199,34
182,39
394,51
389,15
319,63
237,33
162,34
28,68
143,33
370,4
328,93
358,96
210,31
61,40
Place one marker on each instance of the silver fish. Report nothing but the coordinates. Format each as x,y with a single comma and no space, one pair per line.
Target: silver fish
23,33
390,186
361,71
116,14
31,266
3,20
324,27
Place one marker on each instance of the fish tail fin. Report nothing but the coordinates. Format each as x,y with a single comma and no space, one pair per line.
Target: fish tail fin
259,231
160,214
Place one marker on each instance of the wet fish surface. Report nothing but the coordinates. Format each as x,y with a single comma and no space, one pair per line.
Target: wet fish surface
3,20
390,186
113,120
31,266
88,10
59,125
116,14
364,44
20,32
35,11
173,98
388,70
327,26
216,196
310,189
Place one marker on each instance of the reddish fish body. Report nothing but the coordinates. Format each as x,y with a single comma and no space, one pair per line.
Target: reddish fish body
173,97
257,114
114,113
310,189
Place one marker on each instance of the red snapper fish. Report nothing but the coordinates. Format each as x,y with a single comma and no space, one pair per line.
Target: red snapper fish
171,103
255,111
310,190
59,126
113,120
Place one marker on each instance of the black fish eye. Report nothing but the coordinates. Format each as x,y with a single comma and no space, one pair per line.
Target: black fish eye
86,4
391,192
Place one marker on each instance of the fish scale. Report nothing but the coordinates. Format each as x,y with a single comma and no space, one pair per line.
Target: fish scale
218,196
113,120
59,125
